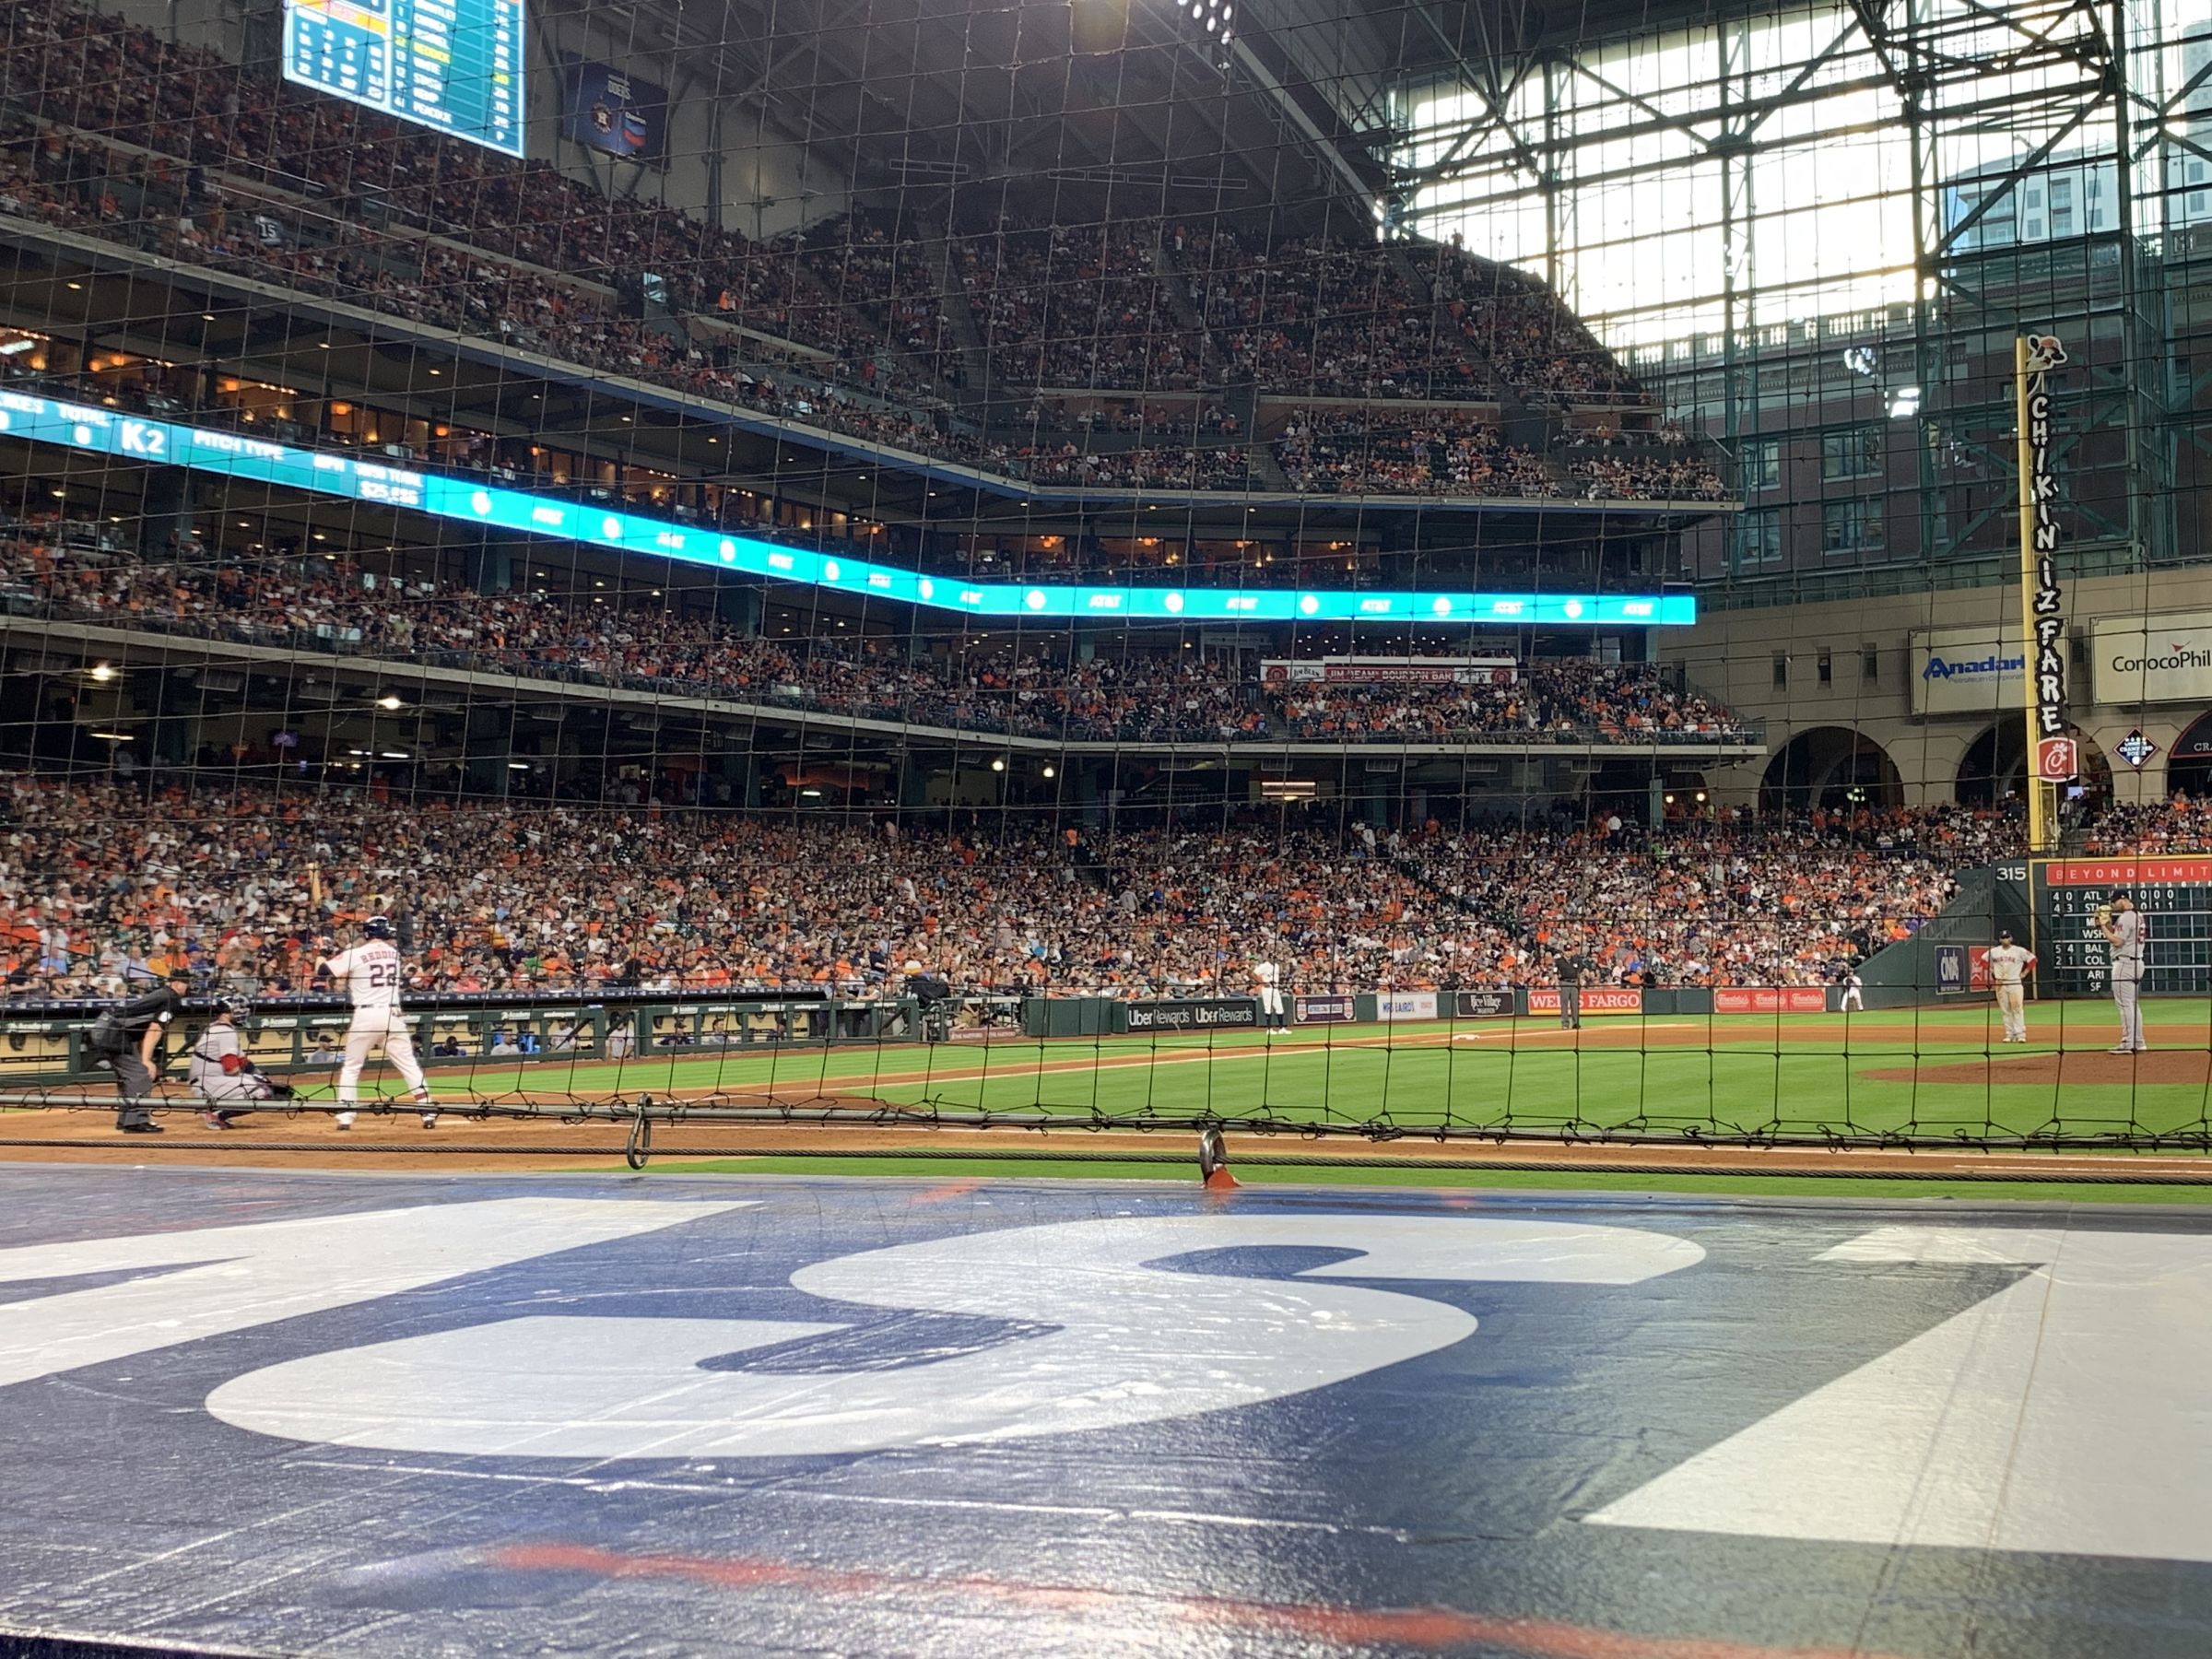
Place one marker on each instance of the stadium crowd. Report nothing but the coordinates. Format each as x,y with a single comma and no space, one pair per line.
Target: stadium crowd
103,887
1727,901
847,327
1038,690
541,635
1363,450
1570,699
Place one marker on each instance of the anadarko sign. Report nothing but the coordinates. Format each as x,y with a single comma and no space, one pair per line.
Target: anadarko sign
2152,659
1965,670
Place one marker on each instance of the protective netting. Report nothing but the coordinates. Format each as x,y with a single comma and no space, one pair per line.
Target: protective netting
929,570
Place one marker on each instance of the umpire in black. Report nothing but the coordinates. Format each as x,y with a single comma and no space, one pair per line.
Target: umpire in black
141,1024
1572,967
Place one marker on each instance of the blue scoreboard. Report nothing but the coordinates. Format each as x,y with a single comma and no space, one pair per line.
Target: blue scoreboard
453,64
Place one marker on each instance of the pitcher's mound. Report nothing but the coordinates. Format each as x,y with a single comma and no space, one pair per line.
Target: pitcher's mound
2160,1066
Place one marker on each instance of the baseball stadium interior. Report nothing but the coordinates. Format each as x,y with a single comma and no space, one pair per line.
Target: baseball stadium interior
750,599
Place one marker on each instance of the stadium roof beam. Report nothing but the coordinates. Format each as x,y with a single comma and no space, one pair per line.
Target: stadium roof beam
1320,144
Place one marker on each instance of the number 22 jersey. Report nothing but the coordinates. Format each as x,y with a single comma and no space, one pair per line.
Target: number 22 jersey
370,973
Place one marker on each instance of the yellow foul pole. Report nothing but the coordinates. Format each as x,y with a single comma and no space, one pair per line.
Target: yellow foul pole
2039,805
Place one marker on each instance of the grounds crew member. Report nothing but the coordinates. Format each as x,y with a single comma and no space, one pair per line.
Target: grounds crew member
2008,965
128,1040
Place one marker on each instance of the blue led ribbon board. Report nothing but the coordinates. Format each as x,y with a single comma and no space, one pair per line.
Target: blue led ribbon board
453,64
166,443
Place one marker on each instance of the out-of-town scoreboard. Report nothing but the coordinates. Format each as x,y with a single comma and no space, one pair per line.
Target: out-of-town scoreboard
453,64
2174,896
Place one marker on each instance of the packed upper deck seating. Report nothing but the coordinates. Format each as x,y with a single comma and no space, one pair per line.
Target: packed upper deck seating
846,327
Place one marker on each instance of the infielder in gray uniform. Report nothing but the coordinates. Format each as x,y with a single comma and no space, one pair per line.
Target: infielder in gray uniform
2124,932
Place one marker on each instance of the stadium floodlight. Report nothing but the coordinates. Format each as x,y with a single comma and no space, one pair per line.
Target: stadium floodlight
998,764
1050,771
390,699
1904,402
103,672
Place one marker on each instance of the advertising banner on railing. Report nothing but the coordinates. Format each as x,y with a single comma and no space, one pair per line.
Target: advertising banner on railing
1211,1014
1377,671
1321,1010
1489,1004
1769,999
1595,999
1405,1004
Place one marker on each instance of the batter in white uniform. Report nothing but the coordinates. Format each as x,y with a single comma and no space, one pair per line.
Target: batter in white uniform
371,973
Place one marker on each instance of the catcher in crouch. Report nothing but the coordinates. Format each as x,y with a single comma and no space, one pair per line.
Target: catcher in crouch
221,1072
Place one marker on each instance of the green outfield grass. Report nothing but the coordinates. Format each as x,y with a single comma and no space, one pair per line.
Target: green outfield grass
1731,1074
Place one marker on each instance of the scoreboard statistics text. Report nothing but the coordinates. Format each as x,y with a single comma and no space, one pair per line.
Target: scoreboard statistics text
2174,896
453,64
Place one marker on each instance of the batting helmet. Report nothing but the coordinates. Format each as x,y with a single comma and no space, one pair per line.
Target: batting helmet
378,928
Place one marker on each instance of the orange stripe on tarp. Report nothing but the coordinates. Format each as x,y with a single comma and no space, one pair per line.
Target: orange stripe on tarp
945,1192
1411,1627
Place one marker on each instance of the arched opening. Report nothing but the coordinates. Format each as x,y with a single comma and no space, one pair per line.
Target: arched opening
1833,767
1995,767
2189,768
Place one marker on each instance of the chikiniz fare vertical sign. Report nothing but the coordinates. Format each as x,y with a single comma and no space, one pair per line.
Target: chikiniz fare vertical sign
2042,602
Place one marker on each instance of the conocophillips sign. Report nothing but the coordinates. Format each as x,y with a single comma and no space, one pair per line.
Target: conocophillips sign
1965,670
2152,659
